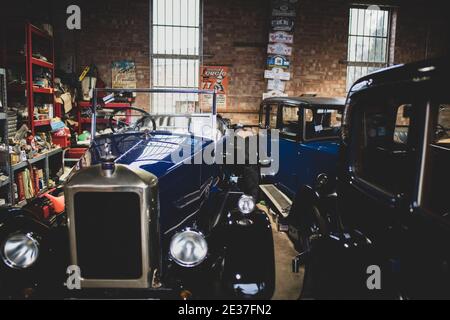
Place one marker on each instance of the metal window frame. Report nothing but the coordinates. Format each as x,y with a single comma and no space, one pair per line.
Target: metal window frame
195,57
360,34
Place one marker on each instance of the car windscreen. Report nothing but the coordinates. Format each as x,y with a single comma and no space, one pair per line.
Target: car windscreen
322,123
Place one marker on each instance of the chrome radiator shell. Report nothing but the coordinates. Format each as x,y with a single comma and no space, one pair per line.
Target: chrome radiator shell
120,179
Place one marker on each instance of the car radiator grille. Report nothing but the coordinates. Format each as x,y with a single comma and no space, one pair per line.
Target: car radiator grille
108,235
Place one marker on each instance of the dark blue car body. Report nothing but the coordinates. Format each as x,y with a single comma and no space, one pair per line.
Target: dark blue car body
309,130
135,191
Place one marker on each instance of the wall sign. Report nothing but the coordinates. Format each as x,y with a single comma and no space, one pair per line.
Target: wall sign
279,49
124,74
283,8
281,37
282,23
278,61
276,85
273,94
277,73
214,78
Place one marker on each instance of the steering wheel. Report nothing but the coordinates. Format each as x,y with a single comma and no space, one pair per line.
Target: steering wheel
118,124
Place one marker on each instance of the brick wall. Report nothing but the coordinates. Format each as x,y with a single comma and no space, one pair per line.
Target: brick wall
320,45
111,30
235,35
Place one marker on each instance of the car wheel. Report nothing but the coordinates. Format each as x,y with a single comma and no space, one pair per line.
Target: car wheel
312,229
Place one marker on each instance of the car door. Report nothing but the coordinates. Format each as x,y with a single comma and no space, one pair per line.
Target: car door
289,126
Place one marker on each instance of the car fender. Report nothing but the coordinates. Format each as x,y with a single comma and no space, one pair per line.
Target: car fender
248,265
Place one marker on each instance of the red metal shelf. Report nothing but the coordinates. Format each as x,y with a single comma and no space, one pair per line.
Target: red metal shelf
89,120
43,90
39,32
40,123
42,63
112,105
32,33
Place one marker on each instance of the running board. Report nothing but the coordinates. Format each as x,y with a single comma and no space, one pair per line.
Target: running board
280,201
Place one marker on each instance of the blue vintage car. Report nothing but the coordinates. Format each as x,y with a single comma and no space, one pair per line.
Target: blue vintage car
309,129
147,215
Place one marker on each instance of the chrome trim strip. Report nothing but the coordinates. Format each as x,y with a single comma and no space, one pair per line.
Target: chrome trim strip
426,138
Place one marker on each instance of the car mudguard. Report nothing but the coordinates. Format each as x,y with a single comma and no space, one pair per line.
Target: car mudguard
249,264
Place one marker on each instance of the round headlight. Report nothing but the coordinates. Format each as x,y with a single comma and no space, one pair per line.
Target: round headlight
188,248
20,251
246,204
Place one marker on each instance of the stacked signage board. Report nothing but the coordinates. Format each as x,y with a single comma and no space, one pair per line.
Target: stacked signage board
279,49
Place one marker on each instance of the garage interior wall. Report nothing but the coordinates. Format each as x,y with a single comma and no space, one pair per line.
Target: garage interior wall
235,35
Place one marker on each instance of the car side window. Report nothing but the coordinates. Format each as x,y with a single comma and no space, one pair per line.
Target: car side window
442,130
384,151
402,124
289,124
270,110
322,123
436,189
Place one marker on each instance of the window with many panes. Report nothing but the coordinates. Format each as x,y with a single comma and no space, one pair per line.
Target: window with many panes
368,41
176,53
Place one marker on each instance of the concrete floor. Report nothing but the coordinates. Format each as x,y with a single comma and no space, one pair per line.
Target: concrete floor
288,285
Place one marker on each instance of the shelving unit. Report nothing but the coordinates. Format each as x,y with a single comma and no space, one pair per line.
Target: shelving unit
5,185
87,104
34,34
43,160
26,45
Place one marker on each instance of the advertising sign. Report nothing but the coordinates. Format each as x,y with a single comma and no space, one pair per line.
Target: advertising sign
214,78
272,94
276,85
284,8
282,24
281,37
279,48
124,74
277,73
278,62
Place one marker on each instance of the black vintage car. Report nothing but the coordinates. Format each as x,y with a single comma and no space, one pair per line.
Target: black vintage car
147,216
393,195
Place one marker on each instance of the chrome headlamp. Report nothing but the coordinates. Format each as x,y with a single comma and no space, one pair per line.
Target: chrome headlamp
246,204
20,251
188,248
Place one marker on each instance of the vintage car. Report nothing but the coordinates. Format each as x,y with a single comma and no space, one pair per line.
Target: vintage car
393,198
309,133
145,217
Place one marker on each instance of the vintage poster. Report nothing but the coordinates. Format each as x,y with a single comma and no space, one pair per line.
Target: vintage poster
214,78
124,74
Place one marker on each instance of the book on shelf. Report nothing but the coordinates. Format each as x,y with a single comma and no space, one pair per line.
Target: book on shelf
29,183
